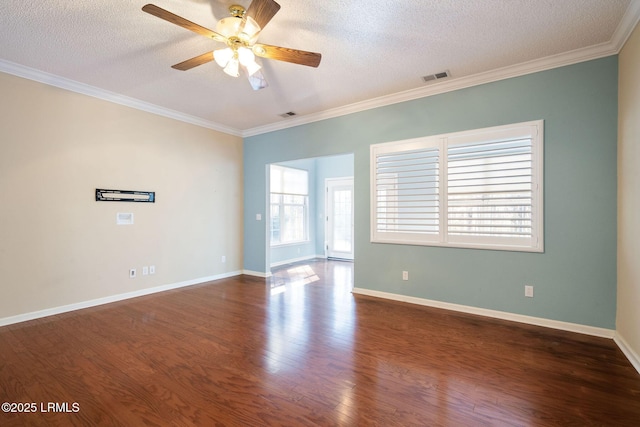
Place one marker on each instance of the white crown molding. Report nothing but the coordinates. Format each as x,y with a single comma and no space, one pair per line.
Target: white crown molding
84,89
613,47
513,317
109,299
449,85
627,25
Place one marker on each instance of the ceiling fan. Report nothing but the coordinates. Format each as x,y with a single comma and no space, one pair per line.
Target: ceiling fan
240,33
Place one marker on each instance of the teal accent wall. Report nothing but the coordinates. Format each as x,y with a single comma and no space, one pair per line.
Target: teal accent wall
574,279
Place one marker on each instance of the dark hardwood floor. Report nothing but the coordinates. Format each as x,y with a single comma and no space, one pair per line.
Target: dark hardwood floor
299,349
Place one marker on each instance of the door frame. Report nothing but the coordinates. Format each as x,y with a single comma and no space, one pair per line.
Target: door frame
347,180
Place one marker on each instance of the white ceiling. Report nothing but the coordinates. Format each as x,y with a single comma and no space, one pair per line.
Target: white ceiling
373,52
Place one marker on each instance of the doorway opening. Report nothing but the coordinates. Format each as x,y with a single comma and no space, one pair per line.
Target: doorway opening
297,225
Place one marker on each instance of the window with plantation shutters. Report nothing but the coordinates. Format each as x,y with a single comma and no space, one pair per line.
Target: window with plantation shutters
476,189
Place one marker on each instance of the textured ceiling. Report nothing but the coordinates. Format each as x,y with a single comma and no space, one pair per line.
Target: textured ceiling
370,49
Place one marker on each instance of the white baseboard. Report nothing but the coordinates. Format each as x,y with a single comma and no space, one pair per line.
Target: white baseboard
280,263
256,273
113,298
538,321
292,260
633,357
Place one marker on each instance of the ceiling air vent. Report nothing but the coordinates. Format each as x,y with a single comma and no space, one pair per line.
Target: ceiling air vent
436,76
287,115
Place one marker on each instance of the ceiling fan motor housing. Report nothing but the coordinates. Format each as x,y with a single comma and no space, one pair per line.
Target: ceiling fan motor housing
237,11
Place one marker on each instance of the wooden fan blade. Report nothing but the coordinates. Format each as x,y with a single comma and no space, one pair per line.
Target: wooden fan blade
310,59
194,62
184,23
262,11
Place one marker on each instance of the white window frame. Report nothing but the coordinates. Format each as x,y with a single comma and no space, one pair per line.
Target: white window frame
282,204
533,243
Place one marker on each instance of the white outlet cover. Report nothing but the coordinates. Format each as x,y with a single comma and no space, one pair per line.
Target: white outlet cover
528,291
145,270
152,269
124,218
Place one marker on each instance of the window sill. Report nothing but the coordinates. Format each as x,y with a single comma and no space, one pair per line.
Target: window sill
299,242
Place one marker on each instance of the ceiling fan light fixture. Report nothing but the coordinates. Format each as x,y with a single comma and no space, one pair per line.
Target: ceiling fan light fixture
246,56
248,60
252,68
233,67
223,56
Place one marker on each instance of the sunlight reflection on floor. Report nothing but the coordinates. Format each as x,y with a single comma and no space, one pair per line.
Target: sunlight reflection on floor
295,276
292,302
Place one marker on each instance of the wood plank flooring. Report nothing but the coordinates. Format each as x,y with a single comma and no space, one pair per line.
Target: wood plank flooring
299,349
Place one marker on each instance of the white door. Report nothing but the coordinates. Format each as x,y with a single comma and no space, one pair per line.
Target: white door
339,225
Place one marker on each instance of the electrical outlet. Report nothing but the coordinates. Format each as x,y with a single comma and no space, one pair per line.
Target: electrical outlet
528,291
223,259
132,273
152,269
405,275
145,270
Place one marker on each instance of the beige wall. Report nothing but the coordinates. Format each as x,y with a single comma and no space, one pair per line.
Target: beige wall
628,311
58,246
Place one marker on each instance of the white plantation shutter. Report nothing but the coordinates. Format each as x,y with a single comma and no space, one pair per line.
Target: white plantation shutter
480,189
491,187
407,189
